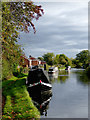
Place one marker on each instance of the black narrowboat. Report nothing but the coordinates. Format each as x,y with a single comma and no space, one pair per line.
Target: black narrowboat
38,80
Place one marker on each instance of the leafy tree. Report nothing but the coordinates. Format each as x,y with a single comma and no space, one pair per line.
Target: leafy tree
16,16
49,58
40,58
56,59
59,59
64,60
83,57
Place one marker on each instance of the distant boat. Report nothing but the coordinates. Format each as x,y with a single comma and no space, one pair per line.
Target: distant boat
38,80
53,69
68,68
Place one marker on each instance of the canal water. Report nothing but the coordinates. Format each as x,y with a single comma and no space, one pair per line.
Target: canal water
69,95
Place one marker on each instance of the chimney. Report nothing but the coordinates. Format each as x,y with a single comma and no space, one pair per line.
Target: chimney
30,56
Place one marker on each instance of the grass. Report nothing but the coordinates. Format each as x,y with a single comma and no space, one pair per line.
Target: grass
62,68
18,103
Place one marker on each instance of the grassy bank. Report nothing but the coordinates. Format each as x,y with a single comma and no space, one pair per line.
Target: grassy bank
17,103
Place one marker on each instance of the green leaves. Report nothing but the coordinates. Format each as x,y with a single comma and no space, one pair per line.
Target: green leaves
16,16
49,58
82,59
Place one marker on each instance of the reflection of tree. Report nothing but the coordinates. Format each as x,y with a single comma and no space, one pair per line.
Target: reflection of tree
83,78
60,77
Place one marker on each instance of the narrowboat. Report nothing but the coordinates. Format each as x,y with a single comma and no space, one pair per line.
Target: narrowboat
68,68
53,69
38,80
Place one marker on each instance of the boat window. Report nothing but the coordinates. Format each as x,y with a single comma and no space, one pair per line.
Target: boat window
50,69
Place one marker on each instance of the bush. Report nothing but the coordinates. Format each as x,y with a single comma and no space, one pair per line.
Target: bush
6,71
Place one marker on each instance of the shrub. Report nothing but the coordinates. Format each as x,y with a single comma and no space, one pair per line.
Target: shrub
6,71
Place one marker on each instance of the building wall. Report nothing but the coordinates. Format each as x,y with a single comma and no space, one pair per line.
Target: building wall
24,62
43,62
35,63
30,63
39,62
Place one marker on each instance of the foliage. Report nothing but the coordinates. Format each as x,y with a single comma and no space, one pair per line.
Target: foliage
49,58
40,58
88,71
83,77
18,103
64,60
82,59
6,69
56,59
16,16
77,63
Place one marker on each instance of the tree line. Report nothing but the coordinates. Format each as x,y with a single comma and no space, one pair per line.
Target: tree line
81,60
59,59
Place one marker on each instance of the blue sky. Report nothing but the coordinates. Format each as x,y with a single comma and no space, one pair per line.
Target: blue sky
63,29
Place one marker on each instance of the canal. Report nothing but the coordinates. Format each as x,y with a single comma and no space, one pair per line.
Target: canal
69,95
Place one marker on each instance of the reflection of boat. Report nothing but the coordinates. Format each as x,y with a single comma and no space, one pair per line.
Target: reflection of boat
41,101
53,76
38,80
53,69
68,68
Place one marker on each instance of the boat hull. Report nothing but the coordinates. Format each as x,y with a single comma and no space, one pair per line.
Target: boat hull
53,70
40,87
39,93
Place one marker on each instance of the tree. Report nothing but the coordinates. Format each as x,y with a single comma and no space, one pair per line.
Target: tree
83,58
49,58
16,16
64,60
56,59
40,58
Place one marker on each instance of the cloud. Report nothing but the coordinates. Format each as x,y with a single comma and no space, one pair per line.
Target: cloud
62,29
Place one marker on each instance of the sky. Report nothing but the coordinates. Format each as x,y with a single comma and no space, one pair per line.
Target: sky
63,29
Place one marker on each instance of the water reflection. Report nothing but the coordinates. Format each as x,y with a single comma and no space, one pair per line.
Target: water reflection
41,100
59,76
70,100
82,78
53,77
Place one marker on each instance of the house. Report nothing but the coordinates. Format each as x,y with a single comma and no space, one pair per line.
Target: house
43,62
34,61
31,61
24,62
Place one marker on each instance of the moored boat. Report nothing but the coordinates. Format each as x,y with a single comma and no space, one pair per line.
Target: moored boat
53,69
38,80
68,68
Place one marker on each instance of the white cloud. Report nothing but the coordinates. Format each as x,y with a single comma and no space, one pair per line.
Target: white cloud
70,42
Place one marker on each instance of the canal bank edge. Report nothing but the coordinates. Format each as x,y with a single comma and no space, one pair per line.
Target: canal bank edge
16,100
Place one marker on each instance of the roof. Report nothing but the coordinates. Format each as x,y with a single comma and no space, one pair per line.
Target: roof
32,58
24,57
